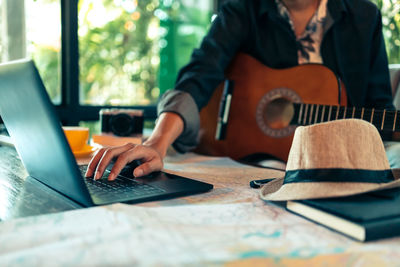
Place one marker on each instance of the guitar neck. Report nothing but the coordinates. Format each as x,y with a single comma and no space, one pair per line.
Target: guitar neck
307,114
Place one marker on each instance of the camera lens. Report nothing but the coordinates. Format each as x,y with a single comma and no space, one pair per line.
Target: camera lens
121,124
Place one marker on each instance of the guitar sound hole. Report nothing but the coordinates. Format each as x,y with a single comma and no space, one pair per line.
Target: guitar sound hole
278,113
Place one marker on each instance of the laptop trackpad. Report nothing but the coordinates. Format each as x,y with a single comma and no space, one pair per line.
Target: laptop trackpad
173,183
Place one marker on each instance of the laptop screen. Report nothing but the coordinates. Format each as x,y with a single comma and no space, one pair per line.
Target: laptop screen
35,129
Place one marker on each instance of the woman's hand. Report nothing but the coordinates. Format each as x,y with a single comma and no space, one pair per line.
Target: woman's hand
149,156
151,153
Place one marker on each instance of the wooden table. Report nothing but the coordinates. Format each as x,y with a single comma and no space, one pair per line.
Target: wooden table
21,195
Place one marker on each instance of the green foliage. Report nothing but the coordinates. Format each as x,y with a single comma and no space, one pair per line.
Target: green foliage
390,10
122,46
184,27
48,64
118,60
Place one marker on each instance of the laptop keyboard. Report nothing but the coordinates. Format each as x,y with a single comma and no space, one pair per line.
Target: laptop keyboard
122,187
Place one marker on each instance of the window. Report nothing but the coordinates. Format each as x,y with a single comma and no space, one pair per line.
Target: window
26,32
129,48
390,10
119,52
115,53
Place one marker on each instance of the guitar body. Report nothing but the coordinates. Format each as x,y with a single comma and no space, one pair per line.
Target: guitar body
259,94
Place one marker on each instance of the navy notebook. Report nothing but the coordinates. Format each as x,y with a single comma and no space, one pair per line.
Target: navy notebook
363,217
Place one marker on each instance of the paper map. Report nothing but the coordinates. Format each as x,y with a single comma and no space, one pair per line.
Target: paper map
228,226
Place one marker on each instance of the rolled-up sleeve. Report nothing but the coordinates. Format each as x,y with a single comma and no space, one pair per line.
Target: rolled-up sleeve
182,103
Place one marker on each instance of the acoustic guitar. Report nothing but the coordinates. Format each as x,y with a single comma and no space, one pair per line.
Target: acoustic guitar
268,104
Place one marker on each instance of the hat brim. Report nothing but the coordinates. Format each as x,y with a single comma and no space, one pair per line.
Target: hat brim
276,190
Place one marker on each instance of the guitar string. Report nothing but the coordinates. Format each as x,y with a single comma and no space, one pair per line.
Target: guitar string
329,113
316,114
311,113
305,115
337,113
372,115
383,118
323,113
387,115
300,113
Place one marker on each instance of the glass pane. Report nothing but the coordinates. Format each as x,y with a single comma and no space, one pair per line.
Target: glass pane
183,25
391,27
120,42
32,28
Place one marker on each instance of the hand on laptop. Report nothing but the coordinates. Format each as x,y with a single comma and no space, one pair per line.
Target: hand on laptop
149,156
151,153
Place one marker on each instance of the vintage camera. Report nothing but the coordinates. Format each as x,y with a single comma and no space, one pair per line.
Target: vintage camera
121,122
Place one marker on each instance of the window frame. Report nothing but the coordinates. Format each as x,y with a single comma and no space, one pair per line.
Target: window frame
70,111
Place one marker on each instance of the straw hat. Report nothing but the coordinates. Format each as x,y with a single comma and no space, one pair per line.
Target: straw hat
338,158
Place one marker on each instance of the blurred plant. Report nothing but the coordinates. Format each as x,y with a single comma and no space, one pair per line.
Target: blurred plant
136,48
47,61
122,47
183,25
118,52
45,46
390,10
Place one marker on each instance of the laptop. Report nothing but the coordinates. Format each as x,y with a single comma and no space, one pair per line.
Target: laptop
33,124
